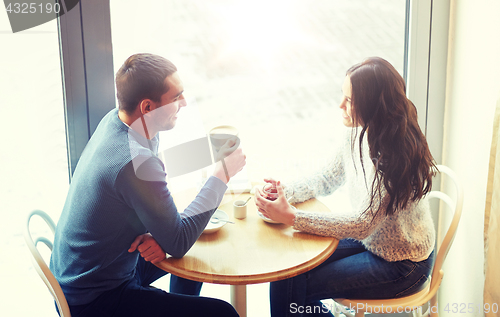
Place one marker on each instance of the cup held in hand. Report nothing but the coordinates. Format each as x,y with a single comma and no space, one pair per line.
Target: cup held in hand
271,191
224,140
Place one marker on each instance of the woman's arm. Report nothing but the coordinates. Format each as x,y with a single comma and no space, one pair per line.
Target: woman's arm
358,224
322,183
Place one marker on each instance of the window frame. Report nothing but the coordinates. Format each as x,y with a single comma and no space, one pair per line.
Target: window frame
427,56
87,73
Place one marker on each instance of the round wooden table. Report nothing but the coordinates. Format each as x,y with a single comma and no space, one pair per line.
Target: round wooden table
250,250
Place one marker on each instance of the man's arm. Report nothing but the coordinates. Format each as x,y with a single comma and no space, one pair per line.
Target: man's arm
145,190
154,205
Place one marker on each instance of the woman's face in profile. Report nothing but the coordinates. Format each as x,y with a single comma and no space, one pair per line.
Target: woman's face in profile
345,104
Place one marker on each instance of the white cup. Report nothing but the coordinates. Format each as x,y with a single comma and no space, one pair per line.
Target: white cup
240,209
220,134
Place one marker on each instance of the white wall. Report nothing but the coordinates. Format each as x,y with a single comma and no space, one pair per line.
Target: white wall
473,87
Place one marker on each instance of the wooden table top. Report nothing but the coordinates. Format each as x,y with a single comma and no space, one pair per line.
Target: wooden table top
250,250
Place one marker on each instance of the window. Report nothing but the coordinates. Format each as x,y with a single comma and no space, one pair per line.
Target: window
33,165
273,69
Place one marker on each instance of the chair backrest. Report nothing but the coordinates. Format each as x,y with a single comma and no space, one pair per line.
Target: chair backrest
40,265
455,205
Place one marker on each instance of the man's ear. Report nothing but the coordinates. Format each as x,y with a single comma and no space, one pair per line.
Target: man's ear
146,106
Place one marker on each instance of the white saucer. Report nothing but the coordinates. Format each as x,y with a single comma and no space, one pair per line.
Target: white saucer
214,227
265,218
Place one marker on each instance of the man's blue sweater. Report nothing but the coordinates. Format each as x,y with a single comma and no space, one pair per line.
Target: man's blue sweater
118,191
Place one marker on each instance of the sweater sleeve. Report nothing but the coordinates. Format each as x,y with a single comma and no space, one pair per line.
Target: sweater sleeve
145,190
357,225
321,183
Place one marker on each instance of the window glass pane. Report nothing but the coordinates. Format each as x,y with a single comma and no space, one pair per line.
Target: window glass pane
272,68
33,165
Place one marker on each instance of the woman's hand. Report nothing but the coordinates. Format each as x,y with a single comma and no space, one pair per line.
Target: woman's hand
271,181
148,247
278,210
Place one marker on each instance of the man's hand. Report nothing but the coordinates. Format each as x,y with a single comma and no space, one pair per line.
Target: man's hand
231,161
148,247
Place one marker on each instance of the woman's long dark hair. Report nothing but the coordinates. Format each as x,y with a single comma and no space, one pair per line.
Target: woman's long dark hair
397,146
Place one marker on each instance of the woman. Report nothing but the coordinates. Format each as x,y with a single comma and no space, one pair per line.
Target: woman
387,240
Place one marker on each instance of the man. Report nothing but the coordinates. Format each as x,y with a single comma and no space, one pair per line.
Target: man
118,201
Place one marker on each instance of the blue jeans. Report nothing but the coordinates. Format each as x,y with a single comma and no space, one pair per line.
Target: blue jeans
350,272
137,298
179,285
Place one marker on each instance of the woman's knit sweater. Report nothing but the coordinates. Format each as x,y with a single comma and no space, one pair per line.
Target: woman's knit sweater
408,234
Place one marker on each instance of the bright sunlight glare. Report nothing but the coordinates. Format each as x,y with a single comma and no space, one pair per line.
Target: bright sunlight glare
261,28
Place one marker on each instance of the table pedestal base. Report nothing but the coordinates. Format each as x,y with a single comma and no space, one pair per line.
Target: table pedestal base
239,299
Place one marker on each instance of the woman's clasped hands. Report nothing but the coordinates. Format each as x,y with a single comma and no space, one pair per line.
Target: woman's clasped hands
278,210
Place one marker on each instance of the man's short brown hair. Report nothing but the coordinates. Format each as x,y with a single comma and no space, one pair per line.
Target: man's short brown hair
142,76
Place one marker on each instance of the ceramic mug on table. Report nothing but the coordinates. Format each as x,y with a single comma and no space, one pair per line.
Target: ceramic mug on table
240,209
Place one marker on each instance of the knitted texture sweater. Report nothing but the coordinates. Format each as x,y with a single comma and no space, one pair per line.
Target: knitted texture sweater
118,192
408,234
